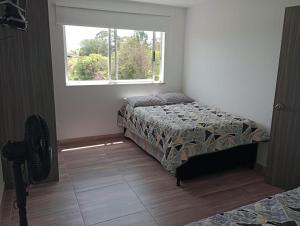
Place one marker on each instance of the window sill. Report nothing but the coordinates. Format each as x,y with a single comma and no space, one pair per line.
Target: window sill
119,82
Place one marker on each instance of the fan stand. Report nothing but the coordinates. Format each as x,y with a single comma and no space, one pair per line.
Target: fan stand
15,152
20,192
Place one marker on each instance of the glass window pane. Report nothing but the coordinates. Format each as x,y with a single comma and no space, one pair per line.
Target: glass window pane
87,53
105,54
113,53
158,54
134,54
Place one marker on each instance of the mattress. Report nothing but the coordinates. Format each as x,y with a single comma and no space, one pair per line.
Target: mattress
182,131
281,209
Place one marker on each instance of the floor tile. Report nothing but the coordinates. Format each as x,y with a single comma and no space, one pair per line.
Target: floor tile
50,203
182,217
138,219
71,217
107,203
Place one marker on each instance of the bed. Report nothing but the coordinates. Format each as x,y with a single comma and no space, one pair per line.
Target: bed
281,209
184,131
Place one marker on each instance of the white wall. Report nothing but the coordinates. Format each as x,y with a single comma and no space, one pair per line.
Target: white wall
91,110
232,52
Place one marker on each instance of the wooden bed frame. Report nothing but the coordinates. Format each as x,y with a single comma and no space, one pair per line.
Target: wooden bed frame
244,155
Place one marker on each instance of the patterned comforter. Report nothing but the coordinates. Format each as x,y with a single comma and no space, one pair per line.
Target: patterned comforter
182,131
281,209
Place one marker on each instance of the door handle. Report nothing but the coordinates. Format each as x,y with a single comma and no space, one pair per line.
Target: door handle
279,106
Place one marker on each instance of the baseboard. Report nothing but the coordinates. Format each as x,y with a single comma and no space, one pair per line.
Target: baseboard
84,140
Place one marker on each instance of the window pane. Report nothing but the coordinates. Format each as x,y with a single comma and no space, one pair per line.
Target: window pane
113,53
87,53
106,54
158,54
134,54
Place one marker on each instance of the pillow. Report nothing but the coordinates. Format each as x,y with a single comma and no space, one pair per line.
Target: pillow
144,101
174,98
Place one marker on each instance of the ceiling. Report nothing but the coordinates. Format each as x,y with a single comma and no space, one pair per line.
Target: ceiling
180,3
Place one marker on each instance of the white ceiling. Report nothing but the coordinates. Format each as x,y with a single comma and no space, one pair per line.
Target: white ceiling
180,3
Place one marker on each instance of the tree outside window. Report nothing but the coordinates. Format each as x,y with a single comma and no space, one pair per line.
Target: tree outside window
113,54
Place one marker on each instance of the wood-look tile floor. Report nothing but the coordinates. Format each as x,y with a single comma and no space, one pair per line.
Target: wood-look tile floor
117,184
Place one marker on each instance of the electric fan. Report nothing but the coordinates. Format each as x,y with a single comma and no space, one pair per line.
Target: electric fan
37,151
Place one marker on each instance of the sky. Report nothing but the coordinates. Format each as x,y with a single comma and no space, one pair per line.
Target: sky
74,35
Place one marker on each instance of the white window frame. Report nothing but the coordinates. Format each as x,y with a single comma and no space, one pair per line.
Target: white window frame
120,82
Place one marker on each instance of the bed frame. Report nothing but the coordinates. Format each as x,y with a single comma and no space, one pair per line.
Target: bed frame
244,155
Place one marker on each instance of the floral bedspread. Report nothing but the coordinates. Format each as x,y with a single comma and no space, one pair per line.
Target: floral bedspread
281,209
182,131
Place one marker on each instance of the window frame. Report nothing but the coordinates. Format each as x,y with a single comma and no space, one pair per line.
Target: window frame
110,81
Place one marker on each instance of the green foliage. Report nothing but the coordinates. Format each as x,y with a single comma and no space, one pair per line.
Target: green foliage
103,35
92,67
98,45
140,36
158,60
135,59
134,55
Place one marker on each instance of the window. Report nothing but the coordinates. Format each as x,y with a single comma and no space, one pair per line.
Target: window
113,56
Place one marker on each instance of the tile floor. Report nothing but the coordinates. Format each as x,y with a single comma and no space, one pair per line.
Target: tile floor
117,184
